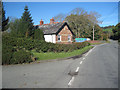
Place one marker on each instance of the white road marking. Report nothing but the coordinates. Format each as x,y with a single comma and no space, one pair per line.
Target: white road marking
72,79
90,50
77,69
83,58
81,62
70,83
86,54
94,47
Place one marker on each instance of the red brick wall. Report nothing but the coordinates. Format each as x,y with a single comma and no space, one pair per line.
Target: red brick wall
64,36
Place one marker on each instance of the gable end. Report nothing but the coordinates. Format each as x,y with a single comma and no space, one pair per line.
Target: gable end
63,27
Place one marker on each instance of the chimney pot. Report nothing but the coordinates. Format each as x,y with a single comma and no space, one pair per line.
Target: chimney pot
41,22
52,21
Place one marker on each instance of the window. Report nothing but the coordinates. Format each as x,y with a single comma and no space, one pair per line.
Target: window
69,38
59,38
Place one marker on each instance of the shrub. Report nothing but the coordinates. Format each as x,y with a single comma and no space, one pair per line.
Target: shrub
119,40
13,51
7,40
7,52
38,34
20,57
50,47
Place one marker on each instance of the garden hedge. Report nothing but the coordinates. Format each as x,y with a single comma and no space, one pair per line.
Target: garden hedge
17,50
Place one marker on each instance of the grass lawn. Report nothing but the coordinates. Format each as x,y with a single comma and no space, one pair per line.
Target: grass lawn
51,55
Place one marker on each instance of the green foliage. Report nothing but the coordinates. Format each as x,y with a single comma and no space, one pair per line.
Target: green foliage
11,56
50,47
27,24
13,51
82,26
98,32
22,27
108,27
52,55
38,34
18,44
16,50
108,30
5,21
79,24
119,41
7,52
116,32
16,28
20,57
105,37
41,46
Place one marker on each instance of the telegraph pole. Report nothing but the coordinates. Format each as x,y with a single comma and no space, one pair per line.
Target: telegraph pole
93,32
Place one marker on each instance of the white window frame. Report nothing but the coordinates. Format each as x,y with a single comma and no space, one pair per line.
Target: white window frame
59,37
69,38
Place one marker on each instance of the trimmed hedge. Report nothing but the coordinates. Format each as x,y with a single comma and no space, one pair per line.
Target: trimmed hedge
15,57
41,46
13,51
20,57
17,50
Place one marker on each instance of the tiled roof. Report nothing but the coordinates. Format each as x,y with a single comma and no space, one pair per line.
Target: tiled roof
51,28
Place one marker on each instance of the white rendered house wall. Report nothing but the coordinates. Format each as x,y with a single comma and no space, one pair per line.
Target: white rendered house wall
50,38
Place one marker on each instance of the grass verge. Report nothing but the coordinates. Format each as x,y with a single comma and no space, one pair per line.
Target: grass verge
51,55
95,43
100,43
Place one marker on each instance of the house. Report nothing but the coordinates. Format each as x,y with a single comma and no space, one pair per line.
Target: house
56,32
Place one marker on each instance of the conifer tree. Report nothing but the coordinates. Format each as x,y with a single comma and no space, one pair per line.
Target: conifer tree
38,34
0,16
4,20
26,23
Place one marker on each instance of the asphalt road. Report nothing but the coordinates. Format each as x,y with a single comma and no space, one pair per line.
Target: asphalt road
98,68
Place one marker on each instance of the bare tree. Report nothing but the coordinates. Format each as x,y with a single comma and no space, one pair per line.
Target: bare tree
78,11
93,17
60,17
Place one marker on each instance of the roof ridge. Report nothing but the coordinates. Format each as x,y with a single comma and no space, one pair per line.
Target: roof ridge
51,28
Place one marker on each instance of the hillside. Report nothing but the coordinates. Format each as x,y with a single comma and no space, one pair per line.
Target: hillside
108,29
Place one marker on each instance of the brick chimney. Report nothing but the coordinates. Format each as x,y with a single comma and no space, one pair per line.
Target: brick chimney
52,21
41,22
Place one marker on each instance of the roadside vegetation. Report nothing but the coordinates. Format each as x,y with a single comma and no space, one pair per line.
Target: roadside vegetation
82,22
98,42
60,55
22,43
116,32
113,32
22,38
18,50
